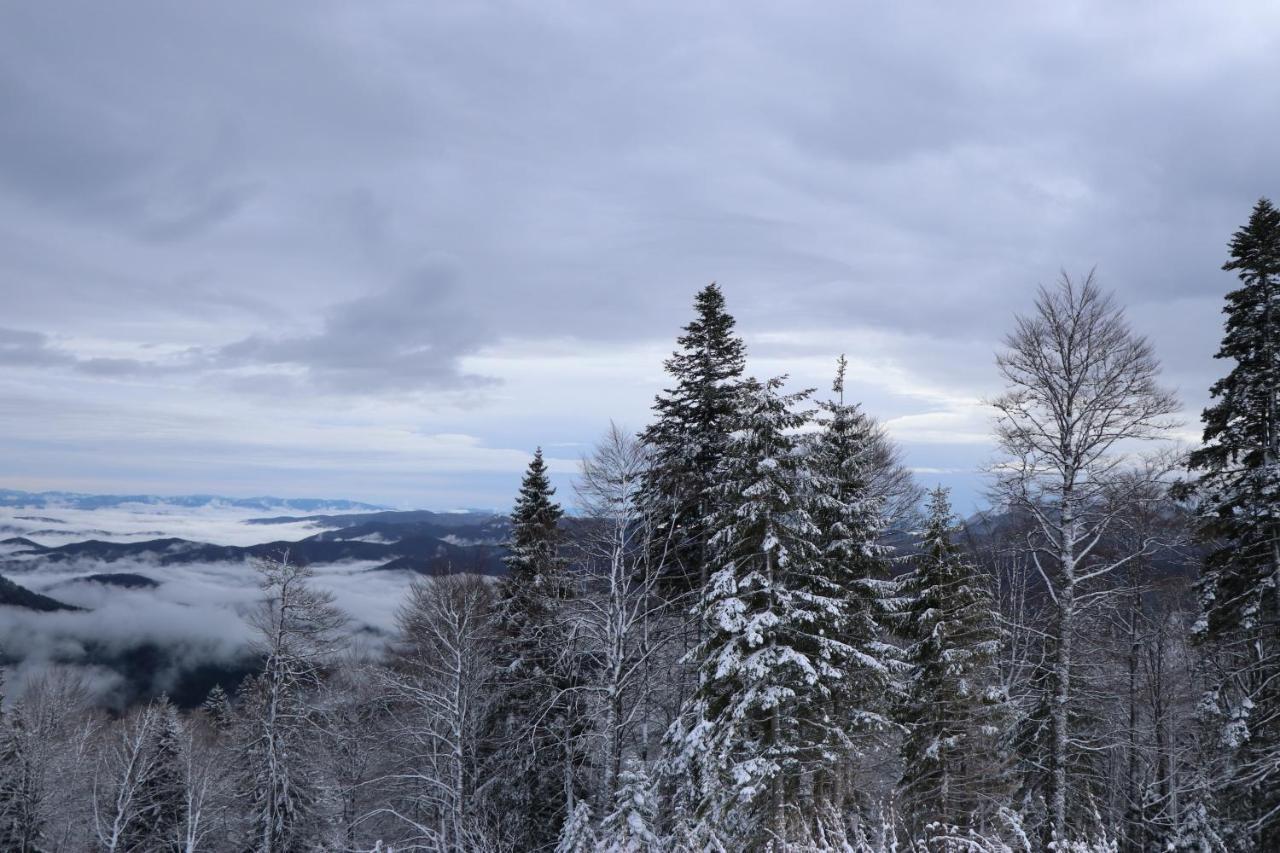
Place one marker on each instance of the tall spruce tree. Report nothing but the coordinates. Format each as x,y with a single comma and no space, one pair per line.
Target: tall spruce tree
955,712
848,511
534,743
1239,493
760,724
689,434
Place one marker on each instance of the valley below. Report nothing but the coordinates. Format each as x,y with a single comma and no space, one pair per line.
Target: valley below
140,596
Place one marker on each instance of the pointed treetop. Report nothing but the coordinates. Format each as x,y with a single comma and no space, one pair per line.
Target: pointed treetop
535,535
939,505
941,522
709,340
842,364
710,300
536,490
1254,247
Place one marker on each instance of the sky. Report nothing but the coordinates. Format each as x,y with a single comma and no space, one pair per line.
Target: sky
382,250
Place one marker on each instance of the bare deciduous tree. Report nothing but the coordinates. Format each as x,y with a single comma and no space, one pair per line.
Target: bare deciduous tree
438,685
298,633
1081,390
622,558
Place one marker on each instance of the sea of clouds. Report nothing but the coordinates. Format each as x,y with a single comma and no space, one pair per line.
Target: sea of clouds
198,613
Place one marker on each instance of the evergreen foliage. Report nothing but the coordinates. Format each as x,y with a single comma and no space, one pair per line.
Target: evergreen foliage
163,790
955,712
761,720
689,434
578,835
536,731
630,827
1239,494
847,510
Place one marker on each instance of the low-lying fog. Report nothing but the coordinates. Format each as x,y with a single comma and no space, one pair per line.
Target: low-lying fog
194,618
219,525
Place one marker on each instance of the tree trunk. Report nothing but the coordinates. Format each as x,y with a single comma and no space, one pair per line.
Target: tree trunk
1060,702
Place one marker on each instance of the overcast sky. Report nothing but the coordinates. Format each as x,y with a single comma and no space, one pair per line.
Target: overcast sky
381,250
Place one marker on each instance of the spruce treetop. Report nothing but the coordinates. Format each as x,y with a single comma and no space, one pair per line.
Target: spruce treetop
1236,426
688,436
535,532
535,506
706,368
1239,481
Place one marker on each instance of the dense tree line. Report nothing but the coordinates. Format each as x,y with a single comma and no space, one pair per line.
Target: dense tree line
724,653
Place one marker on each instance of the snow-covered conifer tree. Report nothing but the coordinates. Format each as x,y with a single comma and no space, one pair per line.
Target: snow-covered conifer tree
630,826
578,834
688,436
217,708
536,735
162,819
955,713
1239,493
760,724
844,460
139,793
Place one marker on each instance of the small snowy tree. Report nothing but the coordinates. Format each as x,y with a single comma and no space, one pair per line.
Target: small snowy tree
956,715
217,708
578,835
630,827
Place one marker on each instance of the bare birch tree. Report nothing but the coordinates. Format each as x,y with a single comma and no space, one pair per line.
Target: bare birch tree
620,611
123,783
298,634
1082,389
439,684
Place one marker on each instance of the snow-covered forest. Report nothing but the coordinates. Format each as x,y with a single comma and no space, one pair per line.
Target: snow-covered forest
749,628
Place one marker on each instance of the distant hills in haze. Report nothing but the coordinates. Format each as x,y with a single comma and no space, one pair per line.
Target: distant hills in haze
145,595
76,500
417,540
13,595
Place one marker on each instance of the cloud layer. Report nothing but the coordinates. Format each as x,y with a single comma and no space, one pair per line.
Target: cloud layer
195,616
382,250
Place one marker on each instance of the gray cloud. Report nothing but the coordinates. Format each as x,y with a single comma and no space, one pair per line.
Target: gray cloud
409,336
19,348
229,205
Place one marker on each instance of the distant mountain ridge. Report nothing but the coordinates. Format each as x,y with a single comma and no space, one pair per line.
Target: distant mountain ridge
13,595
77,500
417,540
